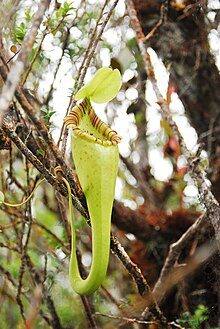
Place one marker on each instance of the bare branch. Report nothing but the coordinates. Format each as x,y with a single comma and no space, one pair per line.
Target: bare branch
18,67
89,314
86,61
127,320
115,245
143,287
207,199
175,250
179,273
37,163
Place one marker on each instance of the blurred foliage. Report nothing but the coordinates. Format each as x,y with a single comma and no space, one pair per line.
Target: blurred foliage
195,320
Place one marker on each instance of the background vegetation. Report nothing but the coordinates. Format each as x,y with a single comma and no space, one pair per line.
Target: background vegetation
164,268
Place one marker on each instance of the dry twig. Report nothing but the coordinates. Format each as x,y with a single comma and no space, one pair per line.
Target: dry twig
206,197
18,67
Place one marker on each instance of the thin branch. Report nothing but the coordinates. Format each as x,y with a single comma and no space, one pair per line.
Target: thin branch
8,275
127,320
180,272
53,235
163,18
37,164
12,248
175,250
63,215
195,170
24,247
33,61
10,279
39,279
39,124
18,67
140,177
206,197
64,46
115,245
79,204
55,322
135,272
45,33
94,39
85,64
107,294
89,314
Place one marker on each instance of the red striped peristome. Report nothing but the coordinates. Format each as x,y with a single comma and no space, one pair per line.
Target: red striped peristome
110,136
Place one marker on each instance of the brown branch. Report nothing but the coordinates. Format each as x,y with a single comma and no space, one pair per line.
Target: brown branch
79,204
2,245
23,247
20,279
89,313
162,20
94,39
195,170
10,279
64,46
33,61
18,67
107,294
39,279
63,216
175,250
59,186
8,275
178,273
142,184
135,272
125,319
53,235
39,124
37,164
206,197
85,64
55,322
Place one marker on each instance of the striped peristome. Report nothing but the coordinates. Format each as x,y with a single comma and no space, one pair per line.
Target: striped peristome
74,120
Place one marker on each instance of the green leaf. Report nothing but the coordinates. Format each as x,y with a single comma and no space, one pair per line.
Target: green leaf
104,86
51,113
58,13
20,32
2,197
67,7
41,152
28,15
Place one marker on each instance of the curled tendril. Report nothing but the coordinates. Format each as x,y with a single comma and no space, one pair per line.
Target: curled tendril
23,202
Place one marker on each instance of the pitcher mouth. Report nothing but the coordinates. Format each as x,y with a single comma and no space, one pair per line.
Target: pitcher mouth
86,124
